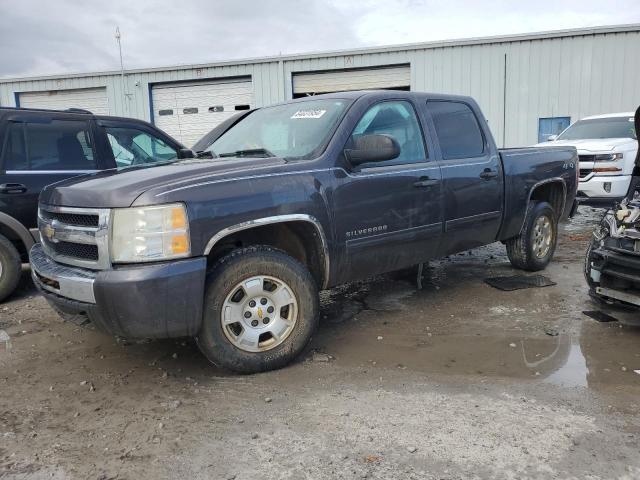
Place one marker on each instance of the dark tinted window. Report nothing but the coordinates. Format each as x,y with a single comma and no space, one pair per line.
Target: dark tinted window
58,145
457,129
15,153
397,119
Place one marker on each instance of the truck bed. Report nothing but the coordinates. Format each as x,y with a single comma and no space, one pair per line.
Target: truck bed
525,168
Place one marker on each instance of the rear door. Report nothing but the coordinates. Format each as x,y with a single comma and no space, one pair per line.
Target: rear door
472,176
388,214
39,150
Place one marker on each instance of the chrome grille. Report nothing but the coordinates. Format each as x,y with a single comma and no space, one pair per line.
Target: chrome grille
80,220
76,250
75,236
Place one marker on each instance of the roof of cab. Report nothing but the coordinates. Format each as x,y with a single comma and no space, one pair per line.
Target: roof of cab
356,94
610,115
70,111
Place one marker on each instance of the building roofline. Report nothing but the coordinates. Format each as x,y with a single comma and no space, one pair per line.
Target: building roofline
519,37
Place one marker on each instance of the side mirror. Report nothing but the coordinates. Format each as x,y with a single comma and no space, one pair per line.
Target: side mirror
373,148
186,153
551,138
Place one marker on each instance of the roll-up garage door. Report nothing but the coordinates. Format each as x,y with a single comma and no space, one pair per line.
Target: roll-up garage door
397,77
92,99
187,111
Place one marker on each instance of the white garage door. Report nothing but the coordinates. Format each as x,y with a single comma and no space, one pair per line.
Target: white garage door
361,79
187,111
92,99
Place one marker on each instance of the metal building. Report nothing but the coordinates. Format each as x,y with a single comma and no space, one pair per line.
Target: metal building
528,85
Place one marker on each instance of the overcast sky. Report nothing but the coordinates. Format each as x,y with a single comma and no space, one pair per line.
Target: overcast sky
42,37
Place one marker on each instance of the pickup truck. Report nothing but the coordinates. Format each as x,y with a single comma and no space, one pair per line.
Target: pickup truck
40,147
297,197
612,262
607,146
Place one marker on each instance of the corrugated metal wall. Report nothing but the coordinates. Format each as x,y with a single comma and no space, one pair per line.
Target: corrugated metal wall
515,81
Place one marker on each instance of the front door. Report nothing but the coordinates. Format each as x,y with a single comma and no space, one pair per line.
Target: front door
472,177
388,214
36,153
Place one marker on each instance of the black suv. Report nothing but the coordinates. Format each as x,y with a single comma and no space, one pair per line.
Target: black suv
40,147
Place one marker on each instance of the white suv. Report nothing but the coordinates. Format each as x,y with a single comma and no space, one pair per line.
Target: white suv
607,146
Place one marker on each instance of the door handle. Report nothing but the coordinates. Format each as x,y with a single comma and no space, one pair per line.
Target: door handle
12,188
488,173
425,182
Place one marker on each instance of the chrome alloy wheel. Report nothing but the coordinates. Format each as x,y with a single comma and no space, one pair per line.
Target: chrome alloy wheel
542,236
259,313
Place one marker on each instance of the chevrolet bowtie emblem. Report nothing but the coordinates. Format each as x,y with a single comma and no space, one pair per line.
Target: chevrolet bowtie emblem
49,231
259,312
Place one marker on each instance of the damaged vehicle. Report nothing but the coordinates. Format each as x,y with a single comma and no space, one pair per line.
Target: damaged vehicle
612,262
297,197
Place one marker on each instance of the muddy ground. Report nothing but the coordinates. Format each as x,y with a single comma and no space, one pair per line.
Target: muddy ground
457,380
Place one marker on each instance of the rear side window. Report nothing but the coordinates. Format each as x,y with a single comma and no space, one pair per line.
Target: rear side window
457,128
15,153
58,145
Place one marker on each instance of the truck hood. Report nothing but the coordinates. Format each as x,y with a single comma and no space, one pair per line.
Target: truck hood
593,145
117,188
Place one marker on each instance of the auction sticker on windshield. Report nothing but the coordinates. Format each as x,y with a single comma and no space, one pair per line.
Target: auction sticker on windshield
309,114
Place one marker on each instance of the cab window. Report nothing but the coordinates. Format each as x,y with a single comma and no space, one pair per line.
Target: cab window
397,119
457,129
59,145
131,146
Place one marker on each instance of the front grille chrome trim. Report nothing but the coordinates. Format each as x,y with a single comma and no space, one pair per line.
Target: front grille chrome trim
52,230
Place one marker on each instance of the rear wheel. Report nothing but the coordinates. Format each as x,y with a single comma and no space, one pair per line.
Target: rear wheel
533,249
261,309
10,267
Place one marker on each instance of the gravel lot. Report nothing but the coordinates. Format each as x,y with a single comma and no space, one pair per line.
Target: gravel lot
457,380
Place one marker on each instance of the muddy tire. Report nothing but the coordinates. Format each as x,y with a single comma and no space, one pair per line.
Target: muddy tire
533,249
260,310
10,268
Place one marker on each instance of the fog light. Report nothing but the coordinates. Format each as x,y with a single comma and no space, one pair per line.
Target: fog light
607,187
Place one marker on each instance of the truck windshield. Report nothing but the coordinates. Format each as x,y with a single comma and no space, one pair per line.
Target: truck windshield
614,127
292,131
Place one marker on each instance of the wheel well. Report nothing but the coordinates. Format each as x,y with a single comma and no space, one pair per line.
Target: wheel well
15,239
552,192
299,239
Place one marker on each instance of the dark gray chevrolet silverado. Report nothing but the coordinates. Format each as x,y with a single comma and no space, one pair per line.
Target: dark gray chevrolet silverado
298,197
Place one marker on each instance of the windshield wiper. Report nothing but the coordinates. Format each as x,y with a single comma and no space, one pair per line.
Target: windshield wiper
248,153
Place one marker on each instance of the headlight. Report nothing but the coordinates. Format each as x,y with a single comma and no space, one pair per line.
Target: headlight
147,234
608,157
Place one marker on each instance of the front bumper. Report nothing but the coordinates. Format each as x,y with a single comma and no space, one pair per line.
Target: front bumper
592,191
617,275
160,300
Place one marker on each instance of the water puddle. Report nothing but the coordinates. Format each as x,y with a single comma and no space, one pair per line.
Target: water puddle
574,371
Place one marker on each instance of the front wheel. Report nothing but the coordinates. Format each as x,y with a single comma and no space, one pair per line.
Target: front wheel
533,249
261,309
